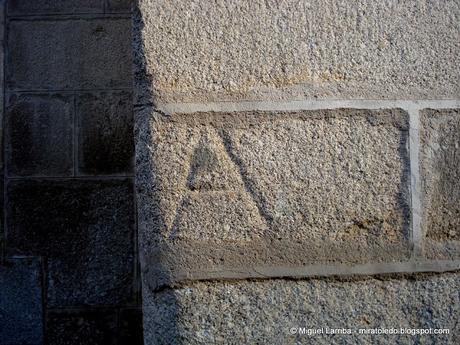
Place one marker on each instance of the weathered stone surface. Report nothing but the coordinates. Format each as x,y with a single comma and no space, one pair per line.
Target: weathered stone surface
40,134
440,170
85,229
16,7
21,302
81,54
90,327
105,133
95,327
119,5
264,312
130,327
2,76
214,50
2,215
240,190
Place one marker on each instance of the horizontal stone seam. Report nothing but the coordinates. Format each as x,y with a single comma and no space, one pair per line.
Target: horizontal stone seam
320,270
68,16
24,257
93,308
171,108
69,91
80,177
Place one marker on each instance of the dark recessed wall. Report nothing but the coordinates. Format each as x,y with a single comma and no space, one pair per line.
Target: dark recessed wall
69,236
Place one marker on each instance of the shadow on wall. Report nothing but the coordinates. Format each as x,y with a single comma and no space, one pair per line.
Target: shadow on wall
67,253
161,310
160,307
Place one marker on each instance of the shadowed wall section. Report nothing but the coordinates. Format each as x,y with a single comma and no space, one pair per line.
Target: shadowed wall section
69,270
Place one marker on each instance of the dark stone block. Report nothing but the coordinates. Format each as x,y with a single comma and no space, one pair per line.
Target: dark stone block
105,138
21,320
39,135
2,209
119,5
131,330
69,54
92,327
85,229
18,7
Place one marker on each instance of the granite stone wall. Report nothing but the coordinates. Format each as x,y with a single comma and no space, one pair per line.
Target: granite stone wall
69,268
297,166
278,166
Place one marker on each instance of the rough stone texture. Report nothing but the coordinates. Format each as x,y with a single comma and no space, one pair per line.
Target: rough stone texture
20,302
40,134
264,312
18,7
2,76
68,81
105,127
131,327
2,217
78,54
119,5
93,327
440,169
214,50
84,229
2,107
238,190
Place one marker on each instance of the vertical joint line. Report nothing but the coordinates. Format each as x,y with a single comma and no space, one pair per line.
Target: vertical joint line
414,150
75,135
3,142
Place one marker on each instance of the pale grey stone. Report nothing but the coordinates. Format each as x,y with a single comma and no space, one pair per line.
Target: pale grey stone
70,54
239,190
263,312
214,50
440,170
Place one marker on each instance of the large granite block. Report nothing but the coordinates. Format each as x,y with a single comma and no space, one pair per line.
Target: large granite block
440,171
95,327
105,133
131,327
21,311
70,54
84,229
39,134
275,311
215,50
119,5
89,327
234,191
20,7
2,216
